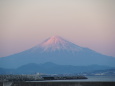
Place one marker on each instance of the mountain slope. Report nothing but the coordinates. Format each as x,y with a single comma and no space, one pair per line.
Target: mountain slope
57,50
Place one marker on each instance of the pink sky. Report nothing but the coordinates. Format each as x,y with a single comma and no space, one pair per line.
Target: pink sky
87,23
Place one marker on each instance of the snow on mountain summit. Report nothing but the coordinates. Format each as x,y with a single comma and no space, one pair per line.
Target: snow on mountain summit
57,43
53,40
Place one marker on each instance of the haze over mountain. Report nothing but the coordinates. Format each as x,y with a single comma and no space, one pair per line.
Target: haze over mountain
51,68
59,51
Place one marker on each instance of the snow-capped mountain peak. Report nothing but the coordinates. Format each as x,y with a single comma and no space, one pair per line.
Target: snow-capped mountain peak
58,43
53,41
59,51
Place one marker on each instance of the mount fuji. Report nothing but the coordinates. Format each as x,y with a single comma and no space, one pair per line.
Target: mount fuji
57,50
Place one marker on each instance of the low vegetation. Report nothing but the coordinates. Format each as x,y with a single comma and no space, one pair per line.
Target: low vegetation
20,78
38,77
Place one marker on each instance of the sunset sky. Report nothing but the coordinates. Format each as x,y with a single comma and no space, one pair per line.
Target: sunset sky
87,23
